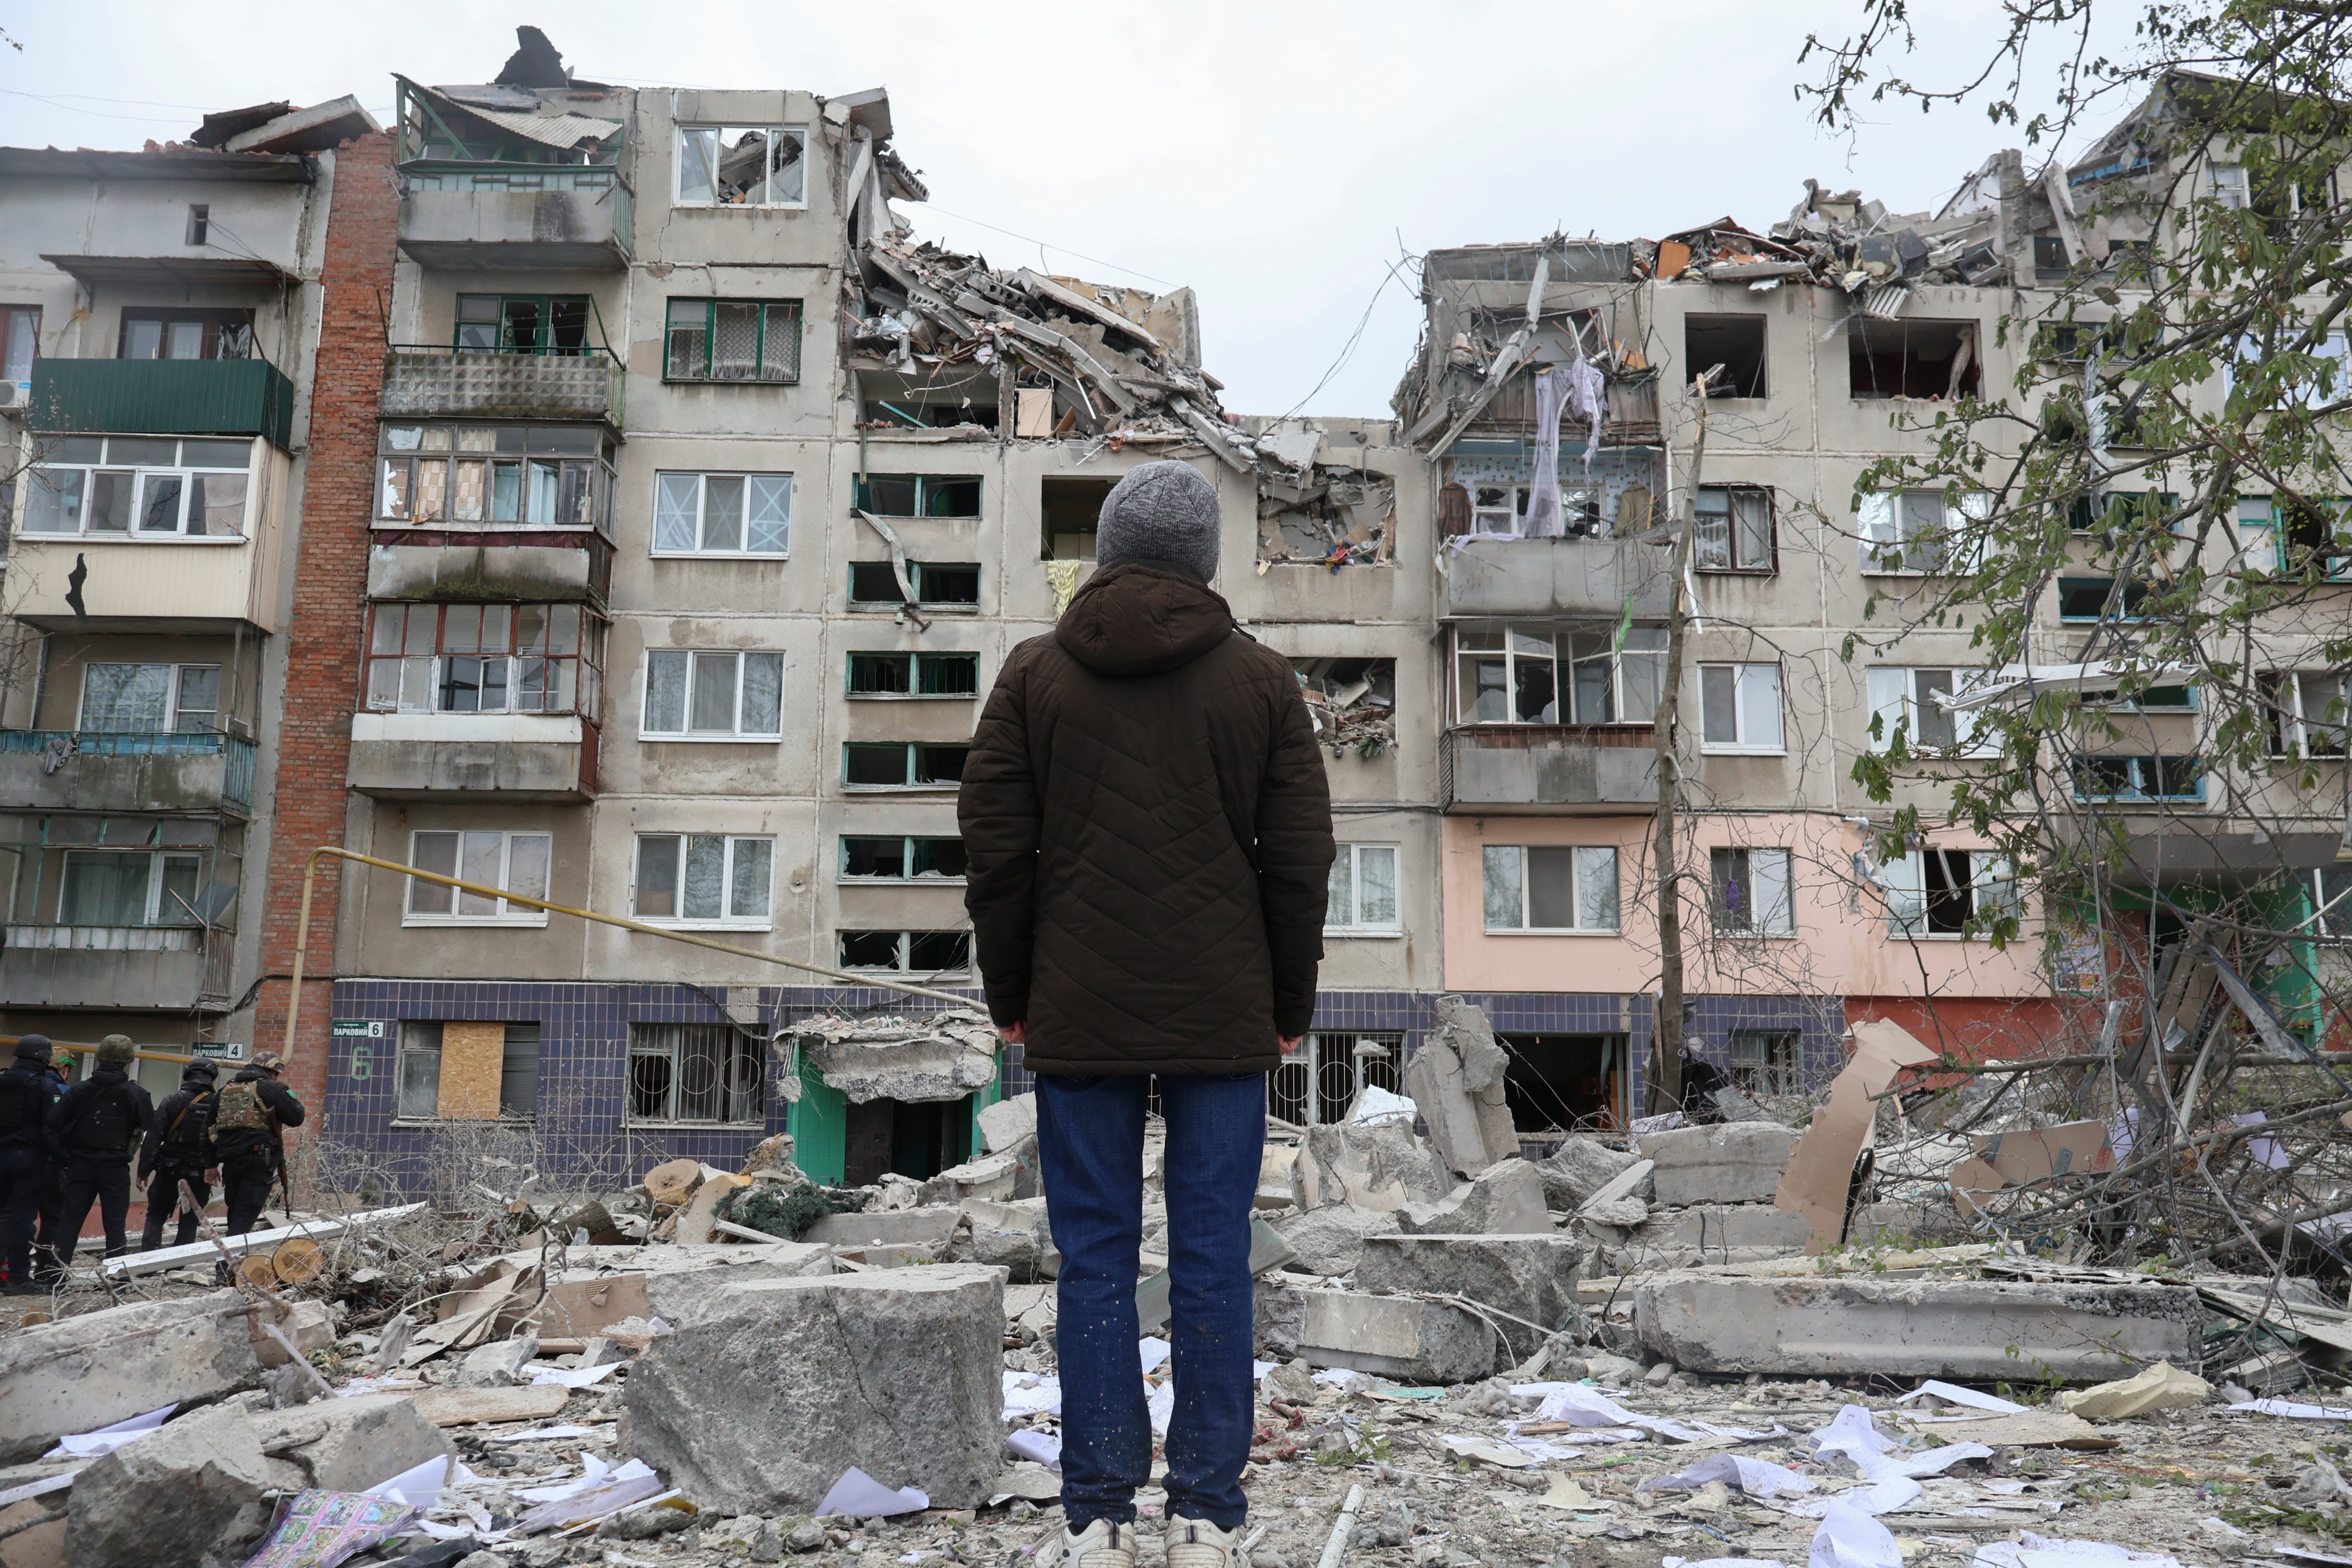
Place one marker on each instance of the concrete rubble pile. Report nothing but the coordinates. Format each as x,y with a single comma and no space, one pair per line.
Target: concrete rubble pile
1648,1342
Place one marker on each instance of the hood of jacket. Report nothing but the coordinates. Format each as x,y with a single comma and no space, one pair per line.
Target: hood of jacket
1141,617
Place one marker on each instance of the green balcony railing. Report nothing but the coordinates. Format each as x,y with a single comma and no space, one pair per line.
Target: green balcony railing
162,397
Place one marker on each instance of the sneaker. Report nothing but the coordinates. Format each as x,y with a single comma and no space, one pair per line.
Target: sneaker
1196,1543
1101,1544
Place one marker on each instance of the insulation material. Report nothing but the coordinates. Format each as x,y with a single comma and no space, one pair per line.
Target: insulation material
472,1057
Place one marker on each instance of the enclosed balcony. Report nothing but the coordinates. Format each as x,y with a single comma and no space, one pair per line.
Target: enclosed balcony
436,382
121,912
499,177
1503,770
538,758
1559,576
244,397
61,770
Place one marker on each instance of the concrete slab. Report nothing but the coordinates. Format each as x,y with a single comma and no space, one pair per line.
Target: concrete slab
86,1371
1735,1163
1529,1277
1394,1336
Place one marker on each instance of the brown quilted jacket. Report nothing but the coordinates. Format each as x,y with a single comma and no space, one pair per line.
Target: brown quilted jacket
1147,836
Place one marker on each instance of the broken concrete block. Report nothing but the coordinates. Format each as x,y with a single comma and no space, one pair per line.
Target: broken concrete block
1505,1199
1015,1236
1718,1233
498,1364
1394,1336
1328,1241
88,1370
1914,1328
1526,1277
995,1177
934,1225
1381,1167
1733,1162
1278,1178
939,1056
350,1445
1008,1121
189,1490
1578,1168
1631,1184
1456,1079
784,1384
304,1323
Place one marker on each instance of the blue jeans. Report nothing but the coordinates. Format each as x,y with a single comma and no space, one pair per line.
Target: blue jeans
1090,1156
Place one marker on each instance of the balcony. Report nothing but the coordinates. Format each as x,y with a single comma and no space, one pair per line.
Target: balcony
162,397
523,758
524,574
1548,577
439,384
65,770
1526,770
528,216
168,967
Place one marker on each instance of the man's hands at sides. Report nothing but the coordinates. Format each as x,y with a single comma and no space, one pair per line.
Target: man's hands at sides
1015,1033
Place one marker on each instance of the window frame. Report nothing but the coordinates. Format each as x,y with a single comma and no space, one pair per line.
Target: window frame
2134,596
174,711
918,659
409,1046
401,472
2142,766
1988,870
1763,1076
1620,659
519,915
918,572
504,324
16,319
1742,678
1734,566
153,900
861,492
1576,892
2335,920
1887,547
216,329
739,735
905,964
775,130
732,844
702,551
730,1044
912,750
1722,918
588,659
183,473
911,847
710,330
2290,722
1321,1052
1352,856
1972,736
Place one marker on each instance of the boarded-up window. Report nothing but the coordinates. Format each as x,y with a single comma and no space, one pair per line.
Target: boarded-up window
459,1071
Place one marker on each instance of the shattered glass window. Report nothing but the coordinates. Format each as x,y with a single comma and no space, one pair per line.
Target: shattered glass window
741,167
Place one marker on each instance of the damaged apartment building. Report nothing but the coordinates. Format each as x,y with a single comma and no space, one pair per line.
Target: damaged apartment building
670,508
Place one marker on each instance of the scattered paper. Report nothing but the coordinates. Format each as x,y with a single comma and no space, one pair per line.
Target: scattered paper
2032,1551
1952,1394
1849,1538
1489,1450
419,1487
1161,1405
1756,1478
575,1376
320,1528
1583,1406
1043,1448
1154,1351
1563,1492
551,1433
615,1490
2293,1410
861,1496
106,1439
1721,1562
1853,1435
1027,1394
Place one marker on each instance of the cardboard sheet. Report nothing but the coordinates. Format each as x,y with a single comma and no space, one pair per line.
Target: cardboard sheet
1814,1184
2030,1154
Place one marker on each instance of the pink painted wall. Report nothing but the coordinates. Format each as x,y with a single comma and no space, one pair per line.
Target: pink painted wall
1841,946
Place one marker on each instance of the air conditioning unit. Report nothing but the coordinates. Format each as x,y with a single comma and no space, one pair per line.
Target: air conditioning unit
15,394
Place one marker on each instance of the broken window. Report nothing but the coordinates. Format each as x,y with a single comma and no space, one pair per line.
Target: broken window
1317,1085
150,699
2317,536
1765,1061
1503,509
890,764
1936,892
1563,1082
1739,707
510,862
920,952
733,340
1733,343
2331,901
2095,599
735,166
1352,702
1545,888
1735,529
713,695
522,323
486,659
930,406
148,488
937,584
1363,894
1071,508
2139,778
1906,695
914,675
898,858
704,879
1904,358
1536,675
2307,712
1751,893
919,495
187,334
722,514
499,476
1913,531
466,1071
696,1072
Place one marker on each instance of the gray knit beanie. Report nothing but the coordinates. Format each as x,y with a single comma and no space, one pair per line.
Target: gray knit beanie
1162,512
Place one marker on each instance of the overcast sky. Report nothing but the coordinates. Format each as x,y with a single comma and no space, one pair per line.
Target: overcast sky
1280,159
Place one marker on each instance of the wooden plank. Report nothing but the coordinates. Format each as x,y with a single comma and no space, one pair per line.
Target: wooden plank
462,1407
472,1057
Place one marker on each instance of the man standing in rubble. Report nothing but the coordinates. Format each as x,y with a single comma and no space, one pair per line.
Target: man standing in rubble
246,1119
1148,835
178,1152
92,1129
26,1092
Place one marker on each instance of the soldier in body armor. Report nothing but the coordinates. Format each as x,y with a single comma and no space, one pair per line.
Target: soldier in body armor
178,1151
247,1123
26,1091
92,1129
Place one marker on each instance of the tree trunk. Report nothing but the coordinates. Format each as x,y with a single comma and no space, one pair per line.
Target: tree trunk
1666,1038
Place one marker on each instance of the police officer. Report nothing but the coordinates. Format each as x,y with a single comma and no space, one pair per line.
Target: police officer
252,1109
178,1149
26,1091
93,1128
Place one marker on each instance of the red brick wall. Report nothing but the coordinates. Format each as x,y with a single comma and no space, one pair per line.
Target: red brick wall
323,635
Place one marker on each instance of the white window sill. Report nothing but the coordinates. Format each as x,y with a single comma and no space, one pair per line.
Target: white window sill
943,976
1933,936
1754,935
1743,751
700,1126
877,607
432,1121
220,538
704,925
913,697
738,207
1361,933
650,739
849,882
900,789
1555,930
723,554
491,923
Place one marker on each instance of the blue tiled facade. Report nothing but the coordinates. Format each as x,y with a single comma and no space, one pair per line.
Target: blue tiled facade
584,1043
